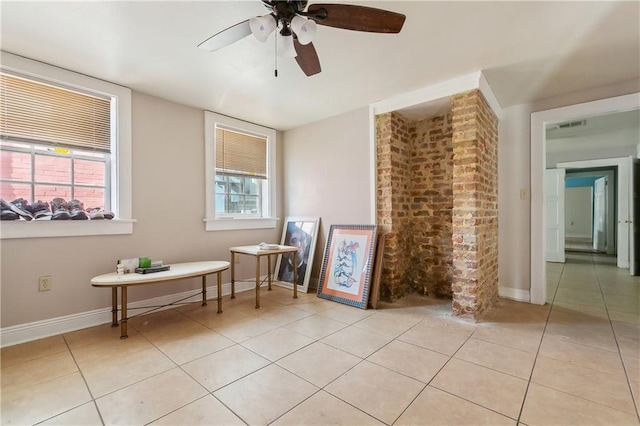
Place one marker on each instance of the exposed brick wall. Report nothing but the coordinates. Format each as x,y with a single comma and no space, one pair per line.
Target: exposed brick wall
49,172
431,207
437,195
414,202
475,206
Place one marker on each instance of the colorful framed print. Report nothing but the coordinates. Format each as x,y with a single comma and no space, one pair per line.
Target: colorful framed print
347,264
301,232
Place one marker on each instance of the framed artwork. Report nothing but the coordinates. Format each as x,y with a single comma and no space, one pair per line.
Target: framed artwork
301,232
347,264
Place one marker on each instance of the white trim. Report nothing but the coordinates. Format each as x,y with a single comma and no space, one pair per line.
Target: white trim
539,121
514,294
64,228
214,223
121,193
489,96
431,93
373,167
22,333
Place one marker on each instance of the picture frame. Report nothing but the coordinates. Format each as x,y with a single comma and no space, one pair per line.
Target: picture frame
347,264
301,232
377,272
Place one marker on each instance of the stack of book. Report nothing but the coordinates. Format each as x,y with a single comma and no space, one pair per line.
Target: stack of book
156,266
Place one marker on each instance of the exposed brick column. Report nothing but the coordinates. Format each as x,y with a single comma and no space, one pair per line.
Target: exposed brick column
475,205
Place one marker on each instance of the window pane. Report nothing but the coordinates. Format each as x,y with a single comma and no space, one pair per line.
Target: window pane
235,204
52,169
251,204
89,172
235,185
221,203
90,197
12,191
252,186
221,186
15,166
49,192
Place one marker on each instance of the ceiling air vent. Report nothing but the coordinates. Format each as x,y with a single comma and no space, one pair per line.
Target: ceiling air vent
571,124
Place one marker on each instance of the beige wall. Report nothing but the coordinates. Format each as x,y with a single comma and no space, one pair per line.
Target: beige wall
168,204
327,174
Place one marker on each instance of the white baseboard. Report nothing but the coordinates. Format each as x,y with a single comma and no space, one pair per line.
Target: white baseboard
514,294
22,333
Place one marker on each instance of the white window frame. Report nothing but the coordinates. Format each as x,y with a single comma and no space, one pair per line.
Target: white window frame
121,196
227,222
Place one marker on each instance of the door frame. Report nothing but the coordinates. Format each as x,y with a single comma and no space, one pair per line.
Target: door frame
622,200
539,122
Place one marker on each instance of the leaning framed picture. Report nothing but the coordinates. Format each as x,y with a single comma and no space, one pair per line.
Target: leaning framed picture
347,264
301,232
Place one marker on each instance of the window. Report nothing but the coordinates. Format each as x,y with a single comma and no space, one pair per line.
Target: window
240,163
64,135
54,143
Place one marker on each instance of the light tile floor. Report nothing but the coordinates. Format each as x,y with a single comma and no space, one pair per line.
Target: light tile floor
311,361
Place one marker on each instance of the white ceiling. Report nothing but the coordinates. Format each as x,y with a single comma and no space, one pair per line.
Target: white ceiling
527,51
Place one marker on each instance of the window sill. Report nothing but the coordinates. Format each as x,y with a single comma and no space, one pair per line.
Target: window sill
64,228
238,224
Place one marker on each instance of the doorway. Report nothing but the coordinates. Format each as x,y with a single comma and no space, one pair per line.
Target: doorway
590,210
539,122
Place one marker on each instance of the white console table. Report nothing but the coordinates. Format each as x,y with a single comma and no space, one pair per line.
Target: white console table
177,271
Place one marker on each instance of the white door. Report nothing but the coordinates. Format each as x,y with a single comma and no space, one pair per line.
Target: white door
634,220
600,214
554,214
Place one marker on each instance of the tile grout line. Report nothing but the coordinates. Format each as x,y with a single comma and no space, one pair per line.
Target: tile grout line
615,337
535,360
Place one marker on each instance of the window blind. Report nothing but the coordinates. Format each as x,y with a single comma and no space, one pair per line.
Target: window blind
240,154
34,111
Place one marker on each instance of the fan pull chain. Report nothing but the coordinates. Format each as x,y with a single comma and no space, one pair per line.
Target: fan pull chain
275,59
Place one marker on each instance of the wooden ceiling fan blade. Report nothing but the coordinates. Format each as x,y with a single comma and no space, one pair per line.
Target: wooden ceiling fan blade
357,18
226,37
307,58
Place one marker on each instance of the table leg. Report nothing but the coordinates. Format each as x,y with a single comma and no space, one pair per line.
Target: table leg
123,315
114,306
295,274
219,273
233,275
269,271
204,290
257,282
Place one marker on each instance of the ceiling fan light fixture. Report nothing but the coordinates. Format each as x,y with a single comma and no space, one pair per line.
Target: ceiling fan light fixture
262,26
305,29
286,49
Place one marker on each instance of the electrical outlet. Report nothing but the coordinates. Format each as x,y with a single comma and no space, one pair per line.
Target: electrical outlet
237,259
44,283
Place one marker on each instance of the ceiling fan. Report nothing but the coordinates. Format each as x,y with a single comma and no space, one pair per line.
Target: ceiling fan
297,27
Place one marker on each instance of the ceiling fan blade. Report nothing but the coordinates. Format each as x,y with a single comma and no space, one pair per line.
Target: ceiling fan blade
226,37
358,18
307,58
